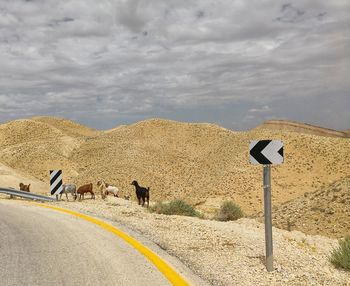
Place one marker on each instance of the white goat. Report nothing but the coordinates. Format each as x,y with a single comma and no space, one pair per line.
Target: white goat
69,188
107,189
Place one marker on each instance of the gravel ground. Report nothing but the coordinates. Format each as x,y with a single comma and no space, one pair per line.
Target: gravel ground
226,253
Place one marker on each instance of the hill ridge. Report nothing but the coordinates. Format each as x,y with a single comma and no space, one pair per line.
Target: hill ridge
200,163
294,126
161,121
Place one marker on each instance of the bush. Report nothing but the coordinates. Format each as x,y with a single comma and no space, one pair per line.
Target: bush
229,211
176,207
340,257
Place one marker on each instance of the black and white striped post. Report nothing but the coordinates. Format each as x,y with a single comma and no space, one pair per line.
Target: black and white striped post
56,182
267,152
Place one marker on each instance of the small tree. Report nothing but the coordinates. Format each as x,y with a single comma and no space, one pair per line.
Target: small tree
229,211
340,256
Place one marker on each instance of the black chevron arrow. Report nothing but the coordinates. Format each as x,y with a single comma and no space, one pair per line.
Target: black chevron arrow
255,152
280,151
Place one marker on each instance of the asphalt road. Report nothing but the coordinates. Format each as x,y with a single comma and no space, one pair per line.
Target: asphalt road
43,247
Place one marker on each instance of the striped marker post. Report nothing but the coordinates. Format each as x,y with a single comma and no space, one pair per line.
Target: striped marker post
56,182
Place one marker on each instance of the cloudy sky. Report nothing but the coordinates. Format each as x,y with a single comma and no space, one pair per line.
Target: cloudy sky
234,63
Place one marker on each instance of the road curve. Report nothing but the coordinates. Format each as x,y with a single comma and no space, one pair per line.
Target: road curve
39,246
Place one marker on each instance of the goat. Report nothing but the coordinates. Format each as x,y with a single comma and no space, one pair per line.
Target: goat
102,189
141,193
23,187
85,189
69,188
107,189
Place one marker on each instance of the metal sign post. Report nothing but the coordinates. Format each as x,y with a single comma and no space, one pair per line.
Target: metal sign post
268,218
267,152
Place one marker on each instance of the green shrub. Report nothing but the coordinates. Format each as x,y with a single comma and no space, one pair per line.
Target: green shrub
340,257
176,207
229,211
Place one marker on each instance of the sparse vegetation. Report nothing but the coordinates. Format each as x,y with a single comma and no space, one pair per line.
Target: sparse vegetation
229,211
340,257
176,207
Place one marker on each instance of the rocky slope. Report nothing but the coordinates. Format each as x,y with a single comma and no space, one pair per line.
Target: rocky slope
325,211
204,164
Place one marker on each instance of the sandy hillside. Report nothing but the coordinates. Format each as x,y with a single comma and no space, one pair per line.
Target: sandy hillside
205,164
325,211
202,163
10,178
34,146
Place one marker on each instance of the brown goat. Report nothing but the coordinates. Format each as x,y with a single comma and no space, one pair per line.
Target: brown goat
23,187
85,189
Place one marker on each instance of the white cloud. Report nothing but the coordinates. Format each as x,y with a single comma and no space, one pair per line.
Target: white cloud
149,57
263,109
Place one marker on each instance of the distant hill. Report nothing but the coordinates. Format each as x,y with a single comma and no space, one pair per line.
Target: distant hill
203,164
284,125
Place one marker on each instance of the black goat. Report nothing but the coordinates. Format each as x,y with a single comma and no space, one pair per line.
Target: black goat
141,193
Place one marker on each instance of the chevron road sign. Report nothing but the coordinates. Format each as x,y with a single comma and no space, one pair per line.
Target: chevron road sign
266,152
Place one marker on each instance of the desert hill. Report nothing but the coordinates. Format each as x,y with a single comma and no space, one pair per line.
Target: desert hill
283,125
201,163
325,211
36,145
67,127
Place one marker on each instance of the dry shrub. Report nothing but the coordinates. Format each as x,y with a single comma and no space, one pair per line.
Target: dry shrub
229,211
340,256
177,207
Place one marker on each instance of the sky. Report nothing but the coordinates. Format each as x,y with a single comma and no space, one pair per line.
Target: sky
233,63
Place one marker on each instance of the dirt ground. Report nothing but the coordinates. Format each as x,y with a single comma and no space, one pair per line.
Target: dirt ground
225,253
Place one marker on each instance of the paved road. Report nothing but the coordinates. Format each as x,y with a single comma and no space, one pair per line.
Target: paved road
43,247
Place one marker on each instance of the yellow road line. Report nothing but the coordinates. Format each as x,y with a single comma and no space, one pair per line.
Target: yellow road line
173,277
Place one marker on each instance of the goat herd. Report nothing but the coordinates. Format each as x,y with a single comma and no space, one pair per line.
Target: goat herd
105,189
